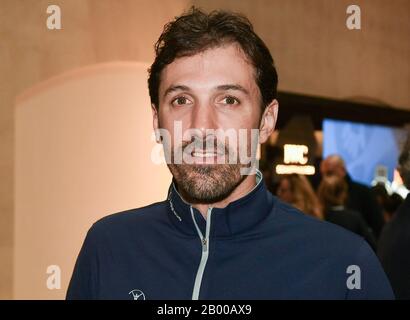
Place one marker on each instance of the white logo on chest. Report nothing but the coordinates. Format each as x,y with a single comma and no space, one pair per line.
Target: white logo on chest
137,294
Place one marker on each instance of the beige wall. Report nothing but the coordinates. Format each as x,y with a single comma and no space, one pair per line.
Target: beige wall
83,148
315,54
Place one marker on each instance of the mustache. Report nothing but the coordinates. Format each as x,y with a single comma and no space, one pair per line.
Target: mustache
207,145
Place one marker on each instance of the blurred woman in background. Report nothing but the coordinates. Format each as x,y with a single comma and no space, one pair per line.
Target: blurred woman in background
297,191
333,193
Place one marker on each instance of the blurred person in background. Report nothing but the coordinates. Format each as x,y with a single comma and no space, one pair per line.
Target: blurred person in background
389,203
394,242
296,190
333,194
360,197
393,203
381,195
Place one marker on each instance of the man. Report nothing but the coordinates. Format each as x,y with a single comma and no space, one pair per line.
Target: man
360,197
220,234
394,243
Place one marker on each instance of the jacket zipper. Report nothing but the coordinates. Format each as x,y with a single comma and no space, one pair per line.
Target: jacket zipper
205,252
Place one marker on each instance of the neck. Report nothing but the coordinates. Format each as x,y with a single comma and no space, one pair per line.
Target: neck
241,190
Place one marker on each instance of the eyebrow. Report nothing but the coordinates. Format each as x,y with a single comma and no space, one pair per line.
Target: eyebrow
176,88
223,87
237,87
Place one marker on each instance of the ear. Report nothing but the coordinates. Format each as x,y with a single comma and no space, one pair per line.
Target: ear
268,121
155,122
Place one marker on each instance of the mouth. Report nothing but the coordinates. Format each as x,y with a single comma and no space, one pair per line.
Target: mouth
208,157
205,154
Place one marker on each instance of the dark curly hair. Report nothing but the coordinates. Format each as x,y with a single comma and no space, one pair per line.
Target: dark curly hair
196,31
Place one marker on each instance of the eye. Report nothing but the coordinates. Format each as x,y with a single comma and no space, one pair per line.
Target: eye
180,101
229,100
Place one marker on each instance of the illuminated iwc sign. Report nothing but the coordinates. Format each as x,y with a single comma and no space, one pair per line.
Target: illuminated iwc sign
295,159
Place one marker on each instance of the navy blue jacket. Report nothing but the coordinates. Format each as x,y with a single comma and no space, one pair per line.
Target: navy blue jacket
255,248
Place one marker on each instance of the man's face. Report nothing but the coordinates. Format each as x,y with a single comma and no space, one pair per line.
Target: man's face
332,168
214,89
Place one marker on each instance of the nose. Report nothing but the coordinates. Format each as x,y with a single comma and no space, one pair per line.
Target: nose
203,117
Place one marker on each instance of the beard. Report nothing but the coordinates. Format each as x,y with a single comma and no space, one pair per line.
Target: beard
206,183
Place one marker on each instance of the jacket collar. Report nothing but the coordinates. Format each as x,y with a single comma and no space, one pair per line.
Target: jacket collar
236,218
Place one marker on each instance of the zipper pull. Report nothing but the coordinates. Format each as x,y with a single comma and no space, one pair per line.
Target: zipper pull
204,245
